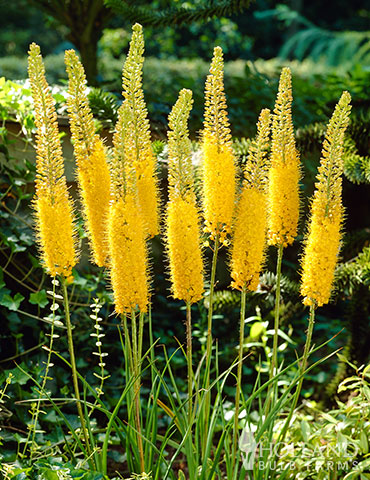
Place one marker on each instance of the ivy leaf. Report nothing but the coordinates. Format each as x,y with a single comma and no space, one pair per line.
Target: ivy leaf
39,298
26,238
12,303
78,280
19,377
12,242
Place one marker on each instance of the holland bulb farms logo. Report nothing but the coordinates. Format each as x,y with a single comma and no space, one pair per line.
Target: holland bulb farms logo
283,455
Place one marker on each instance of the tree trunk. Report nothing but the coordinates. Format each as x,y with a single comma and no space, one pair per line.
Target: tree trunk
89,58
85,20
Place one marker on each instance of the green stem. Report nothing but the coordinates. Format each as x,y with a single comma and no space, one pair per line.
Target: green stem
209,340
151,342
127,341
136,363
274,358
141,330
239,374
73,365
189,358
306,352
277,312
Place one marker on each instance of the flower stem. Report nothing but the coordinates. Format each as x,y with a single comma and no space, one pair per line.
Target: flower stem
209,339
306,352
136,366
127,342
141,331
189,358
73,365
277,312
274,359
240,372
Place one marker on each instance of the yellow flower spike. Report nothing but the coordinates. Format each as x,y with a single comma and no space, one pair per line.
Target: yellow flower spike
92,167
126,229
139,151
183,245
80,114
52,203
285,170
95,196
219,171
249,236
128,253
182,220
180,169
324,232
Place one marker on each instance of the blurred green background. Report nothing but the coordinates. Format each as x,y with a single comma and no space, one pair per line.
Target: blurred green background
327,48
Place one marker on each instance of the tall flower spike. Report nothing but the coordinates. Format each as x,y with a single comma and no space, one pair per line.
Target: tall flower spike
249,236
92,167
219,182
52,204
126,229
324,231
182,221
139,151
285,170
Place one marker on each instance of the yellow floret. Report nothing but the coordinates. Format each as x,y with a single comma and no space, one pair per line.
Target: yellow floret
148,193
285,171
324,231
249,239
321,256
94,182
54,225
53,206
138,151
92,167
219,171
284,203
186,265
128,254
219,186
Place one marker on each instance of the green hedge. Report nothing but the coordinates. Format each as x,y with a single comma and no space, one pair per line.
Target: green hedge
250,86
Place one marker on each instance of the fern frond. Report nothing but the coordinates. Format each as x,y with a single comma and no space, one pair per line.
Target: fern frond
354,273
268,285
225,300
354,242
104,106
356,163
356,167
310,137
175,16
334,47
